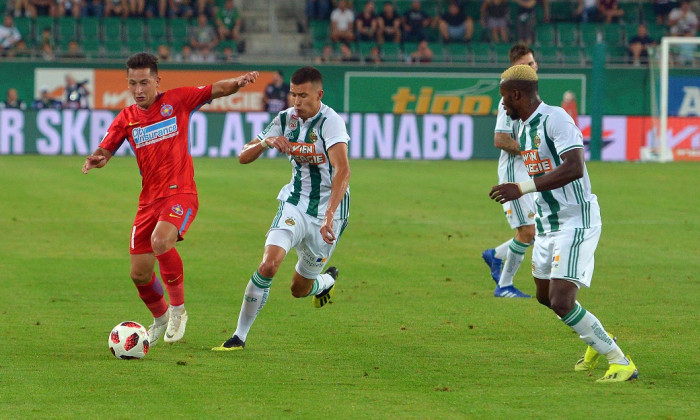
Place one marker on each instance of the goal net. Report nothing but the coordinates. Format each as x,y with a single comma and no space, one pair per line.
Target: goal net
674,129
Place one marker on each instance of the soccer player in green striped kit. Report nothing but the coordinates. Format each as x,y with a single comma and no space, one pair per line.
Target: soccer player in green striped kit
568,221
313,207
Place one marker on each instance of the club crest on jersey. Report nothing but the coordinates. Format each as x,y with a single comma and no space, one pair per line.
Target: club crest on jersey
536,141
177,209
290,221
531,215
313,137
166,110
293,123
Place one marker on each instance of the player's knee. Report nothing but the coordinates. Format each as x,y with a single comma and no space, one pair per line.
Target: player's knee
268,268
140,277
160,245
560,306
526,234
300,290
543,299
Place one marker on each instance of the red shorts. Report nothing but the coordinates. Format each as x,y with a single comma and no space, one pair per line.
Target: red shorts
178,209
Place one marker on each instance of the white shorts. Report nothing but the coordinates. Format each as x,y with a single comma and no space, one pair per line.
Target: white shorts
567,254
520,212
292,228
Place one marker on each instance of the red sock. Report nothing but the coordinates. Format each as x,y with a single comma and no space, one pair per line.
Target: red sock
171,272
152,295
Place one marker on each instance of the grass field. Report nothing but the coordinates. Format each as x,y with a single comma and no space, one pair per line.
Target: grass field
414,331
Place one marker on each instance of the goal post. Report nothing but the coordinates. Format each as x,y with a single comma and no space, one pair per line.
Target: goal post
673,52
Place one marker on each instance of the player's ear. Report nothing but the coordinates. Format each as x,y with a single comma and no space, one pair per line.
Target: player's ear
320,94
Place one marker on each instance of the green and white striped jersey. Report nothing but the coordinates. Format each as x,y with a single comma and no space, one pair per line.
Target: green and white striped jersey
510,167
312,175
544,137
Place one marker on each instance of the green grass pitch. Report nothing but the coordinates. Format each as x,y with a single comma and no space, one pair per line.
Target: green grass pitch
414,331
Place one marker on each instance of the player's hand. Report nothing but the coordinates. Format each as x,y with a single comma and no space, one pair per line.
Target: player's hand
281,143
94,161
327,230
248,78
505,192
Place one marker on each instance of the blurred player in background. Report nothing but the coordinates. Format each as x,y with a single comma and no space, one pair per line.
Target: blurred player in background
156,128
313,207
568,223
505,259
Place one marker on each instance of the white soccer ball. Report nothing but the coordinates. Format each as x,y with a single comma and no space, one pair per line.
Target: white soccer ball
129,340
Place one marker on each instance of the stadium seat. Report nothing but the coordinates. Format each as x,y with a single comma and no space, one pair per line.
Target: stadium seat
545,35
656,32
501,54
67,30
567,34
572,56
41,22
178,30
25,27
632,11
320,30
92,47
612,34
112,29
363,48
89,27
134,29
481,52
548,55
458,52
647,11
157,30
562,11
589,34
113,47
391,51
616,54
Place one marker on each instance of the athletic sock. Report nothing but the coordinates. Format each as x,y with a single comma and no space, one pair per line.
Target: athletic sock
171,271
514,257
256,294
177,309
502,250
321,283
592,333
152,295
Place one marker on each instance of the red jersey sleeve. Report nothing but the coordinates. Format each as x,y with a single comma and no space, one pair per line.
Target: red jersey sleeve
116,134
192,97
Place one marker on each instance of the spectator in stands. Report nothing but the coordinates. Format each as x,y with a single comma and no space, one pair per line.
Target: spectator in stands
525,21
662,8
327,55
180,8
94,8
202,36
455,25
136,8
117,8
318,9
68,8
587,10
423,53
389,24
366,23
638,45
74,51
682,20
204,55
46,51
228,55
45,101
342,20
185,54
12,100
18,8
20,50
9,35
375,55
47,37
153,8
346,53
276,93
206,7
414,22
42,8
228,22
76,94
494,17
610,11
164,54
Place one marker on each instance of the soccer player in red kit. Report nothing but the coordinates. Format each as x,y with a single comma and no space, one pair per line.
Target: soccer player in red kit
156,128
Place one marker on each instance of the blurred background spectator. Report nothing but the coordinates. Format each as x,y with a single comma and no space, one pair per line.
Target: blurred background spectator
202,36
682,20
375,55
318,9
94,8
346,53
9,35
68,8
414,22
389,24
163,53
638,45
366,23
76,94
228,22
422,54
568,103
526,18
661,10
494,17
42,8
45,101
276,93
117,8
327,55
180,8
587,10
455,25
12,100
610,11
342,23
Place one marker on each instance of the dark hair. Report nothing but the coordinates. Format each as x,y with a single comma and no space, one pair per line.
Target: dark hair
307,74
518,51
143,61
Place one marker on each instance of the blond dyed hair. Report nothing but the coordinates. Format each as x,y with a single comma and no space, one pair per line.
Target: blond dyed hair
520,72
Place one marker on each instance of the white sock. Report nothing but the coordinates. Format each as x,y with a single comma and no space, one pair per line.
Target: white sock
592,333
514,257
177,310
253,302
502,250
321,283
163,319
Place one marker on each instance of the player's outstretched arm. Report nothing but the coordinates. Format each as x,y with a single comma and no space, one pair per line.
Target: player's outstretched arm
230,86
338,157
570,170
97,159
255,148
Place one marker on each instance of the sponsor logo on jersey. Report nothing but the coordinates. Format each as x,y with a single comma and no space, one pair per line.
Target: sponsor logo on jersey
166,110
313,137
269,126
290,221
314,262
177,209
143,136
534,164
537,141
306,153
555,261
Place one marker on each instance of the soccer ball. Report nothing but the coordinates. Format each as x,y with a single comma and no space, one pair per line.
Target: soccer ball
128,340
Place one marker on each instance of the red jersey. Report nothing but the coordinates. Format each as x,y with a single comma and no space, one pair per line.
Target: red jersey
159,138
